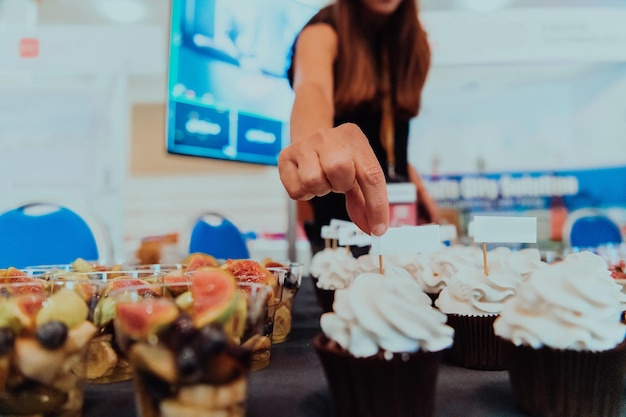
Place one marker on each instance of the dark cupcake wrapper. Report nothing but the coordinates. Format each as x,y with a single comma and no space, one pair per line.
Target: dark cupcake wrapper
403,386
325,298
550,382
475,343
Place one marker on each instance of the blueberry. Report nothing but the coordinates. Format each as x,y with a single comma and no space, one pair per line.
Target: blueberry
184,328
52,335
188,365
7,339
210,341
180,333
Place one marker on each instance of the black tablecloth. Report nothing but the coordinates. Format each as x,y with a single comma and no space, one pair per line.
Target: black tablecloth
293,385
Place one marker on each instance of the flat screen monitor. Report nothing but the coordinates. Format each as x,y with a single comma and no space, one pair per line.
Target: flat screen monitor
228,94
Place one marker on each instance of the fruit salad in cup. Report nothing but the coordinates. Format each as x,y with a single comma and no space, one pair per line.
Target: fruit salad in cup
250,271
289,276
104,362
44,336
189,345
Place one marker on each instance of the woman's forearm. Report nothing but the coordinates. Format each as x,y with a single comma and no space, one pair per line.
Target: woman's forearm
311,111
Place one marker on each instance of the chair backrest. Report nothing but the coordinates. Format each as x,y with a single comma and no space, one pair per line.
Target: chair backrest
42,233
217,236
590,229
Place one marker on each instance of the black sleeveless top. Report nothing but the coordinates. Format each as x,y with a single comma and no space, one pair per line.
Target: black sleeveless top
368,117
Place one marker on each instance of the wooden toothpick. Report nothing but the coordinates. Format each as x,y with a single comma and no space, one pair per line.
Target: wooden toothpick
485,267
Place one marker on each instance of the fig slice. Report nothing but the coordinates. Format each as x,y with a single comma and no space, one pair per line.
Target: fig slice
199,260
141,319
214,292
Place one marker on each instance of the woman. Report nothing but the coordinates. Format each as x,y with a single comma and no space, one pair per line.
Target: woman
358,70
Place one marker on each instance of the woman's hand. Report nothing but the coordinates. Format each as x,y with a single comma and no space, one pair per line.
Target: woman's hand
338,160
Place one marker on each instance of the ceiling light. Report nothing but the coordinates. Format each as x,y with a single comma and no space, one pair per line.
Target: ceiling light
123,11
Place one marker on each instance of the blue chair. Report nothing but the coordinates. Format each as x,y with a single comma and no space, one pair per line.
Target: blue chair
42,233
587,228
217,236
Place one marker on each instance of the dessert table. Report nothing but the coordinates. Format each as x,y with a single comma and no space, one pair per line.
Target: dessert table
293,385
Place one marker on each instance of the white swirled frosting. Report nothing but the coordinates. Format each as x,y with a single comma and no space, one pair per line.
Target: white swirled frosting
470,292
573,304
388,312
333,268
523,261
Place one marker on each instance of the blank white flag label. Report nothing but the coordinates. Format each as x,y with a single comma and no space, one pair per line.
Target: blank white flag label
491,229
448,232
329,233
353,236
407,239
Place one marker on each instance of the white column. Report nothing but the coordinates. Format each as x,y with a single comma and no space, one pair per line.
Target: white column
18,14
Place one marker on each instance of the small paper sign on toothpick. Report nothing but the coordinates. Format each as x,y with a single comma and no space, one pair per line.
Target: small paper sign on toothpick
448,232
407,239
351,235
328,233
489,229
337,223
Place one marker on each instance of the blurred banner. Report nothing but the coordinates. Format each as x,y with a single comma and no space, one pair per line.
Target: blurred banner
523,113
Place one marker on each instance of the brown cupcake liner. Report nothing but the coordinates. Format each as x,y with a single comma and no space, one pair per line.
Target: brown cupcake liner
325,298
403,386
565,383
475,343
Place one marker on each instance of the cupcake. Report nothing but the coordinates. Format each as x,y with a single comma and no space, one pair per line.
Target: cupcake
564,340
331,269
381,347
472,301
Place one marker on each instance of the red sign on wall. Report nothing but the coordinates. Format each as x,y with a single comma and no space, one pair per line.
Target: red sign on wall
29,47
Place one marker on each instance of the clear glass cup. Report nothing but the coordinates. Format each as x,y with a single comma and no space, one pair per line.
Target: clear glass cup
190,343
289,276
104,362
45,333
261,344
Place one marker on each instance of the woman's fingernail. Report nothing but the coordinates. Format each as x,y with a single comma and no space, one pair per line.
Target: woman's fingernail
379,229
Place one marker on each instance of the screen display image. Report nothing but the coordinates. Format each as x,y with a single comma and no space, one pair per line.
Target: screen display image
228,94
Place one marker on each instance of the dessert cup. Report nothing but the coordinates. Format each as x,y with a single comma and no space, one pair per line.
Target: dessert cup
250,271
289,276
44,336
190,343
104,362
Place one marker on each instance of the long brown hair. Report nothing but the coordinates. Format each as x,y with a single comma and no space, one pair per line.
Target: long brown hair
357,77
